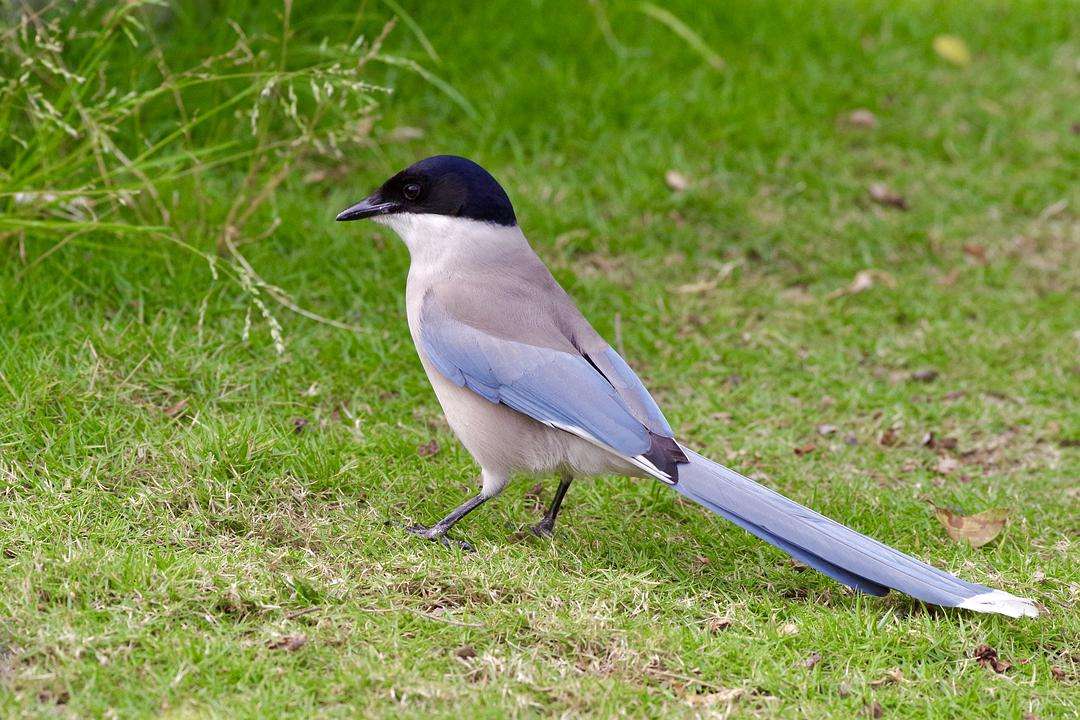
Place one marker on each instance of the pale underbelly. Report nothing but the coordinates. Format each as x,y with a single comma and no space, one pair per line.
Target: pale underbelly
503,440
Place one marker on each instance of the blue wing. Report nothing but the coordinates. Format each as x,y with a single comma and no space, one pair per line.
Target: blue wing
556,388
632,391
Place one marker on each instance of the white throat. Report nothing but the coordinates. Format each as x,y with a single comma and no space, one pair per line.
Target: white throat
435,240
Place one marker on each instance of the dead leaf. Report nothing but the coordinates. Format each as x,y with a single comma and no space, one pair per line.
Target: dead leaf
298,424
725,696
176,409
888,437
465,652
825,430
925,375
863,281
428,449
882,194
861,118
58,697
716,624
946,465
851,440
676,180
952,49
811,660
874,710
987,657
977,529
931,440
976,253
805,449
288,643
789,629
894,676
1057,673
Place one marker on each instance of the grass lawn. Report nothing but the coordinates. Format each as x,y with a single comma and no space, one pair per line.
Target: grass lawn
202,491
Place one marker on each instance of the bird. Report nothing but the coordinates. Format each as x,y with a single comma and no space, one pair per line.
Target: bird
530,388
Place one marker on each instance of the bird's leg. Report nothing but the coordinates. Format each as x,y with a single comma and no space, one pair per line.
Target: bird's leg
546,527
437,532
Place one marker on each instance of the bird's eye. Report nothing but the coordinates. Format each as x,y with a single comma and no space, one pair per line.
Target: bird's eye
411,191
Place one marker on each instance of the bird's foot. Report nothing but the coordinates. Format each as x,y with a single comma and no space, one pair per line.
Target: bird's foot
438,536
543,529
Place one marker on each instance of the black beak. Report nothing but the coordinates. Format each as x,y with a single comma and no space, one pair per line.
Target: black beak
370,206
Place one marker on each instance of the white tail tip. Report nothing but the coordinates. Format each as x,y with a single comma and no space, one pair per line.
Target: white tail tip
998,601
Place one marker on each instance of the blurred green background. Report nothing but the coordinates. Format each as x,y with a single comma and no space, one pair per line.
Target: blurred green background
838,240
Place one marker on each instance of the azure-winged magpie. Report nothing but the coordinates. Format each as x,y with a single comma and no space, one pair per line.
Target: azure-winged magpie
529,386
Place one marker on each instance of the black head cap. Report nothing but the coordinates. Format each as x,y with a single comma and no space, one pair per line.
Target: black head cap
440,185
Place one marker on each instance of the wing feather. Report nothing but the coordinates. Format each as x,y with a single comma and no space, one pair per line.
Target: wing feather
557,388
631,390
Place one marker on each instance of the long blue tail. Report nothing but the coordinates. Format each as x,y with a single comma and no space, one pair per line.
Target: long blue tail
838,551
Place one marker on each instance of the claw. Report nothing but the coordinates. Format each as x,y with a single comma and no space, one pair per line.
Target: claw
543,530
441,538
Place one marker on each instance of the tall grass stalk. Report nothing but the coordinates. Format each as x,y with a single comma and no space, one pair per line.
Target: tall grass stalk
91,152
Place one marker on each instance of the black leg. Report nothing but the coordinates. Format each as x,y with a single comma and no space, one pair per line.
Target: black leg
546,527
437,532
